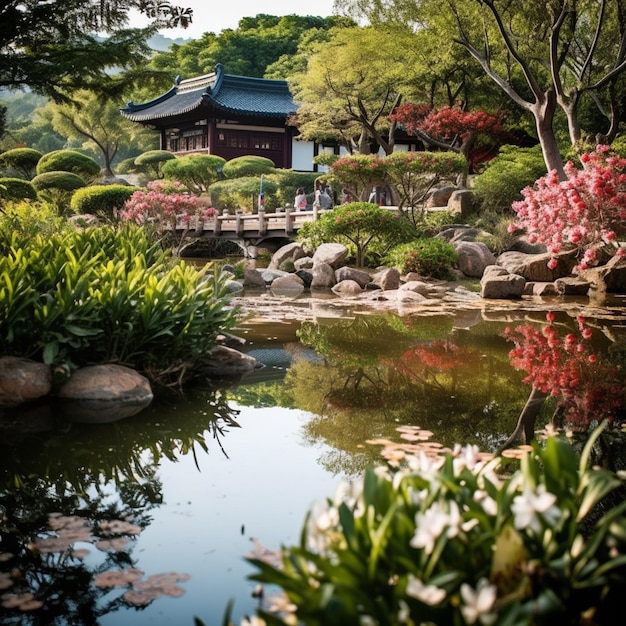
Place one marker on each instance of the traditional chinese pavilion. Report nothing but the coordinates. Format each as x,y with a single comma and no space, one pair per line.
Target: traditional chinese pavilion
226,115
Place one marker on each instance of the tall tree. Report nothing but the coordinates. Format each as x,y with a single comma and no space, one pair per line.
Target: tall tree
96,125
56,46
349,87
561,50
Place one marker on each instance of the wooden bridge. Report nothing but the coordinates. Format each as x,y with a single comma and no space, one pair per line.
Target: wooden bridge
248,231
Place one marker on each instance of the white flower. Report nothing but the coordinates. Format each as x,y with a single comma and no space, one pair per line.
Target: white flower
477,603
430,525
528,506
252,621
323,519
424,464
404,613
428,594
490,506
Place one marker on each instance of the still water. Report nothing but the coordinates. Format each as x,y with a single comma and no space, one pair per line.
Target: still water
176,497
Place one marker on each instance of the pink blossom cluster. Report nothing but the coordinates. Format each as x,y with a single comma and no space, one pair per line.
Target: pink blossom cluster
164,204
567,368
585,209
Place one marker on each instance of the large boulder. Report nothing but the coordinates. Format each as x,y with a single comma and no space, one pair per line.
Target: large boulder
104,393
440,197
387,279
332,254
609,278
347,289
23,380
349,273
253,279
290,285
534,267
226,362
474,257
461,202
499,284
290,252
323,276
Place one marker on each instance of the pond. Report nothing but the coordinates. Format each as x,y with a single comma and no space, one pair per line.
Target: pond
148,520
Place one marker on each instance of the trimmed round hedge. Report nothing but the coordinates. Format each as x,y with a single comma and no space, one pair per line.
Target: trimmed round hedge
69,161
103,200
17,189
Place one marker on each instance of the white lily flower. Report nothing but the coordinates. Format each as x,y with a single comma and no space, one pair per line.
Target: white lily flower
431,524
529,505
428,594
477,603
323,519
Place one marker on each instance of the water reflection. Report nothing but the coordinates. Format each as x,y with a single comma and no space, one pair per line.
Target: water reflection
93,516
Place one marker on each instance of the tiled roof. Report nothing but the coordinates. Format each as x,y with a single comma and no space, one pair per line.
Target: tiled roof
223,92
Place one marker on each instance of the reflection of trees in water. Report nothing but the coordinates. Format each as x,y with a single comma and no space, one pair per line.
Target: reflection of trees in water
73,502
384,371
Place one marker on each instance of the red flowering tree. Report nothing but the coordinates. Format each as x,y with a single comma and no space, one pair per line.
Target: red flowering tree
358,173
165,206
583,211
563,364
449,128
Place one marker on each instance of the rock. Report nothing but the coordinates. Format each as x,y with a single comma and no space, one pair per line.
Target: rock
233,286
534,267
496,285
474,257
609,278
305,263
440,197
306,275
104,393
290,285
387,279
291,252
540,289
332,254
416,286
349,273
461,201
23,380
253,279
227,362
347,289
269,276
572,286
323,276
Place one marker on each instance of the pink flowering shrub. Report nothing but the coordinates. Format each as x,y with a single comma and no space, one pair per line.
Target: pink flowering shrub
586,209
166,206
565,366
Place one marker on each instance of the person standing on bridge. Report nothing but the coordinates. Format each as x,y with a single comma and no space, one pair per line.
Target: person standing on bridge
300,201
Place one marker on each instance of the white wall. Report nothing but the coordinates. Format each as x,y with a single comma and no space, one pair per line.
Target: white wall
302,155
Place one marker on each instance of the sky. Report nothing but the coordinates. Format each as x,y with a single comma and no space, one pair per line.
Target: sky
211,16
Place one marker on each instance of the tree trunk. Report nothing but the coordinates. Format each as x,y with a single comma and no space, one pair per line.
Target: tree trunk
526,421
543,112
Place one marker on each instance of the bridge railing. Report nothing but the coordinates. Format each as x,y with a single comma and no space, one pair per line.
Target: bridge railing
286,221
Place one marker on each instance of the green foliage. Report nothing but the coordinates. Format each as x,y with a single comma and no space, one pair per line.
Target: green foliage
251,165
499,238
456,539
69,161
197,172
102,200
57,188
431,257
501,182
17,189
414,174
242,193
288,181
358,172
22,161
106,295
360,225
152,161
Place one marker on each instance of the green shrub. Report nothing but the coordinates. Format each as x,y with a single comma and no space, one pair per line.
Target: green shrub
196,171
69,161
243,194
459,538
248,166
57,188
107,294
17,189
102,200
498,239
432,257
288,182
22,161
362,226
504,177
152,161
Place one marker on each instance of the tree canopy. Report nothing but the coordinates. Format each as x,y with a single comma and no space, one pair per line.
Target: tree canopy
57,46
544,55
